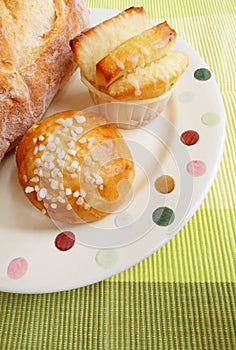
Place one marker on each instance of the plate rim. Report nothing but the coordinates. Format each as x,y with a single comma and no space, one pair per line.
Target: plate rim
117,270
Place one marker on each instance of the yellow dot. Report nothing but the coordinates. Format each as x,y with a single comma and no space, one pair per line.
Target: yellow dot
165,184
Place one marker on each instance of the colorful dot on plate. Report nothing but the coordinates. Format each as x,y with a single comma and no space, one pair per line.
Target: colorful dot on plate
106,258
65,240
165,184
210,119
17,268
196,168
189,137
202,74
163,216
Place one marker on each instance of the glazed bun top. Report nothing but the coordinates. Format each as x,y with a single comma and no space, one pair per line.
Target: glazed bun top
75,167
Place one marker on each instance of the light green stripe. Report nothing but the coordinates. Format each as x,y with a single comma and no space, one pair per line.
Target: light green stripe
132,316
222,193
214,40
164,8
203,251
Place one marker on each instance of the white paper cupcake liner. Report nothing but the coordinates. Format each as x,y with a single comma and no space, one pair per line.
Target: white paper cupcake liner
128,114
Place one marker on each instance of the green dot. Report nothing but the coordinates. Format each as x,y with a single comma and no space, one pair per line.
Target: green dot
202,74
210,119
106,258
163,216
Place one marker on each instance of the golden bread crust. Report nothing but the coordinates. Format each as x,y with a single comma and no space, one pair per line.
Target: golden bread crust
29,82
93,44
71,166
152,80
138,51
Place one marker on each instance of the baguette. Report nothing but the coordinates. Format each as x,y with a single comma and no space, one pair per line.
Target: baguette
151,81
138,51
92,45
35,60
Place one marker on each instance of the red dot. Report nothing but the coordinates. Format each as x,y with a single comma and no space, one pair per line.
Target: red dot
189,137
65,240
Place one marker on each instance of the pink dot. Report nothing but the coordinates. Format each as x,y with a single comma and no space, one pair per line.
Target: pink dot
196,168
17,268
65,240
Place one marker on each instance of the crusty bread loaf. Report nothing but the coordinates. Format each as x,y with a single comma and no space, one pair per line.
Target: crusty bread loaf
152,80
137,51
95,43
74,166
35,59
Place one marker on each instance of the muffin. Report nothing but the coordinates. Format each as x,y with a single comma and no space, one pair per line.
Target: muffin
142,68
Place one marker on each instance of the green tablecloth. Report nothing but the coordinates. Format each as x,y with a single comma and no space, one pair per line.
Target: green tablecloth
157,304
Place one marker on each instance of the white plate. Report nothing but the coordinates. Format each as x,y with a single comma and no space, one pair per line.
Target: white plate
35,257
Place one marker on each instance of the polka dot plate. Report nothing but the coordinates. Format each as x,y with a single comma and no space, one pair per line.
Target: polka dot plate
176,159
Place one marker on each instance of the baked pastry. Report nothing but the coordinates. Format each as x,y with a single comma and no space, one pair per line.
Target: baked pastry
152,80
75,167
92,45
142,66
138,51
35,60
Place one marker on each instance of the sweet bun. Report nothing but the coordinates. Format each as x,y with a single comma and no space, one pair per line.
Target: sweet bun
151,81
138,51
93,44
75,167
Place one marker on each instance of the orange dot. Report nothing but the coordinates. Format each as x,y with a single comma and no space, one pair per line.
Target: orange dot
165,184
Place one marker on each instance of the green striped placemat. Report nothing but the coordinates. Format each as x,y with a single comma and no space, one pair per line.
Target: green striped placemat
124,315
